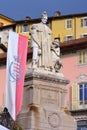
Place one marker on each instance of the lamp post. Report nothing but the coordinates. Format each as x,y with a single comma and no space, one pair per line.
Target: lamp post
7,121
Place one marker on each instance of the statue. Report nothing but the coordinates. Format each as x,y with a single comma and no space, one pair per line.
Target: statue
35,45
46,55
55,49
41,43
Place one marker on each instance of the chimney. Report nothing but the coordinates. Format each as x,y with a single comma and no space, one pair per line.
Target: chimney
27,18
57,13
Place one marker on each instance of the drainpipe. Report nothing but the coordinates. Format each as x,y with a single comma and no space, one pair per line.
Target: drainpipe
75,27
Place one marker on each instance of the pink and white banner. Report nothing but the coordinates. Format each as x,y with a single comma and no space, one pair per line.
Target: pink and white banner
15,73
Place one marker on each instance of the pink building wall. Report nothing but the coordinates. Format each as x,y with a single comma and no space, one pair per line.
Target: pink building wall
2,85
72,70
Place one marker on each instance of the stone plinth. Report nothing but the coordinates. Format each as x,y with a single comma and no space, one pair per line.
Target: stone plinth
44,102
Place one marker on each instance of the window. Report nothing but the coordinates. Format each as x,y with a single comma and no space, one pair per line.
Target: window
84,35
82,125
69,23
84,22
25,28
69,37
82,57
83,93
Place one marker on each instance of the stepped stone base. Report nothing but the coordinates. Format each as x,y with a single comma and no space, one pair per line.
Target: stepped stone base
44,102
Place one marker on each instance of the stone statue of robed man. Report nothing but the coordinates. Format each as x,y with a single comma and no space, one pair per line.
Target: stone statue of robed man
41,43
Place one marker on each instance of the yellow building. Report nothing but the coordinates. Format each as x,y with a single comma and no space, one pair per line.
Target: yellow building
65,27
4,20
69,27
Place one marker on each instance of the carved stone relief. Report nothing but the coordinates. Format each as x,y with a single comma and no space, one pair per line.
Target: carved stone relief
54,120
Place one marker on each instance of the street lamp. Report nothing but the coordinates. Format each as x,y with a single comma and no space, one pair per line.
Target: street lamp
7,121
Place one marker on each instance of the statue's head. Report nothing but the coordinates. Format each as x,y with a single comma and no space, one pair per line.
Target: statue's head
44,17
56,42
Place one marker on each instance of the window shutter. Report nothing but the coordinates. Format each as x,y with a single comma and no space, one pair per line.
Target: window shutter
74,96
81,22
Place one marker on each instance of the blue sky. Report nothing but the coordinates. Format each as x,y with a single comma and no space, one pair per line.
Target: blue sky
19,9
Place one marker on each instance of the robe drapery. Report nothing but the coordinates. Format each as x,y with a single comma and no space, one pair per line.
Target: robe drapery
43,36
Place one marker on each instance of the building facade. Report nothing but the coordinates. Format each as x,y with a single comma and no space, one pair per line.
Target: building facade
5,24
74,58
65,27
70,27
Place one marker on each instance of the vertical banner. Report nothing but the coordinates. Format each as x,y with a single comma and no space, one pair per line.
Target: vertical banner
15,72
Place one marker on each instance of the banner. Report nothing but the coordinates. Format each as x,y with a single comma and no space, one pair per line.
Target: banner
15,72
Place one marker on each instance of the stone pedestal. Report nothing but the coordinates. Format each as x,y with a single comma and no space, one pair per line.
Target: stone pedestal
44,102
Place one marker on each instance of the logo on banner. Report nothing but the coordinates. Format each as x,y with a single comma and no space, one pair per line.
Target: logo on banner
15,69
